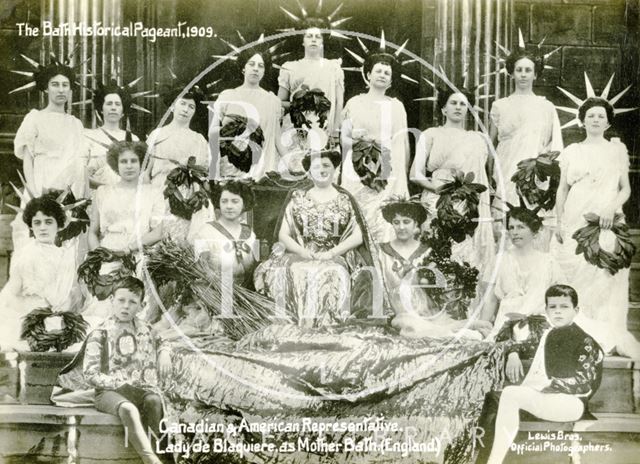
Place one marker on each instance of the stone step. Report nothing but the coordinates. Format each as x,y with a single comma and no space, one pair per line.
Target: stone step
619,391
616,435
37,433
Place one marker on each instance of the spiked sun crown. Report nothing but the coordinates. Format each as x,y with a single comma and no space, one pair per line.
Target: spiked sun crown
368,56
505,55
591,94
42,73
307,21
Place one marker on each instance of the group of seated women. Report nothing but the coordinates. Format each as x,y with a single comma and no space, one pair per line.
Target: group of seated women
348,242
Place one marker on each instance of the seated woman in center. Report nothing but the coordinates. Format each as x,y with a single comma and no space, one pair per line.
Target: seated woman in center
400,260
319,233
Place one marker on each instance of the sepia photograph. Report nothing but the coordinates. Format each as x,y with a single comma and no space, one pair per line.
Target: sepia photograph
319,231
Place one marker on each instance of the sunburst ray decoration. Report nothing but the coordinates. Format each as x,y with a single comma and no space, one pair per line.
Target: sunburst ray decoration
126,91
591,94
306,21
463,88
505,52
127,138
64,66
75,210
258,46
382,50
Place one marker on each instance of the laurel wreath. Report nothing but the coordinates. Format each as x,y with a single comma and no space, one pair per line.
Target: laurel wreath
372,162
461,279
533,171
457,207
229,133
589,244
74,329
306,99
89,270
189,176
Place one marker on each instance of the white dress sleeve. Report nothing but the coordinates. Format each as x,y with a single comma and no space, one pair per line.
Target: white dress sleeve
26,135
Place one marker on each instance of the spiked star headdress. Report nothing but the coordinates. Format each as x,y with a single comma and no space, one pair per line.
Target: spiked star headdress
442,92
75,210
306,21
370,57
591,94
102,90
42,73
507,58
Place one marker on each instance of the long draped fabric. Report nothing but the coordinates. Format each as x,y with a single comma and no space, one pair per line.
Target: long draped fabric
433,389
593,173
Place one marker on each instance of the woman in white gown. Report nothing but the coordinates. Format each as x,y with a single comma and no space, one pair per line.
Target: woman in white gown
524,273
126,216
594,179
51,144
42,274
375,118
400,260
315,72
176,143
525,124
112,103
254,103
448,149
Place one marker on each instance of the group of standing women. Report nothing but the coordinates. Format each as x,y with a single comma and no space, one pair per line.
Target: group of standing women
330,230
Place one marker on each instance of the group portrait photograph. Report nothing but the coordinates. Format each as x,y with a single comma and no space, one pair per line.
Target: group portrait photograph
319,231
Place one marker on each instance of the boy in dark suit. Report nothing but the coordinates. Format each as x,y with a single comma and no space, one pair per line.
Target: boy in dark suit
565,372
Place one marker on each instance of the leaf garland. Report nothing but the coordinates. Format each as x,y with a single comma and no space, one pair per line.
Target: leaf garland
74,329
457,206
229,135
100,285
531,172
589,245
372,162
188,175
305,100
461,278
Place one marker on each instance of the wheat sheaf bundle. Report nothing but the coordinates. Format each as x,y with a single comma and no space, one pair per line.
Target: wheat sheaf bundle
197,279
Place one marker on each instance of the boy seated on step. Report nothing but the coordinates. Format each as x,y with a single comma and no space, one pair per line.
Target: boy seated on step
122,361
565,372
